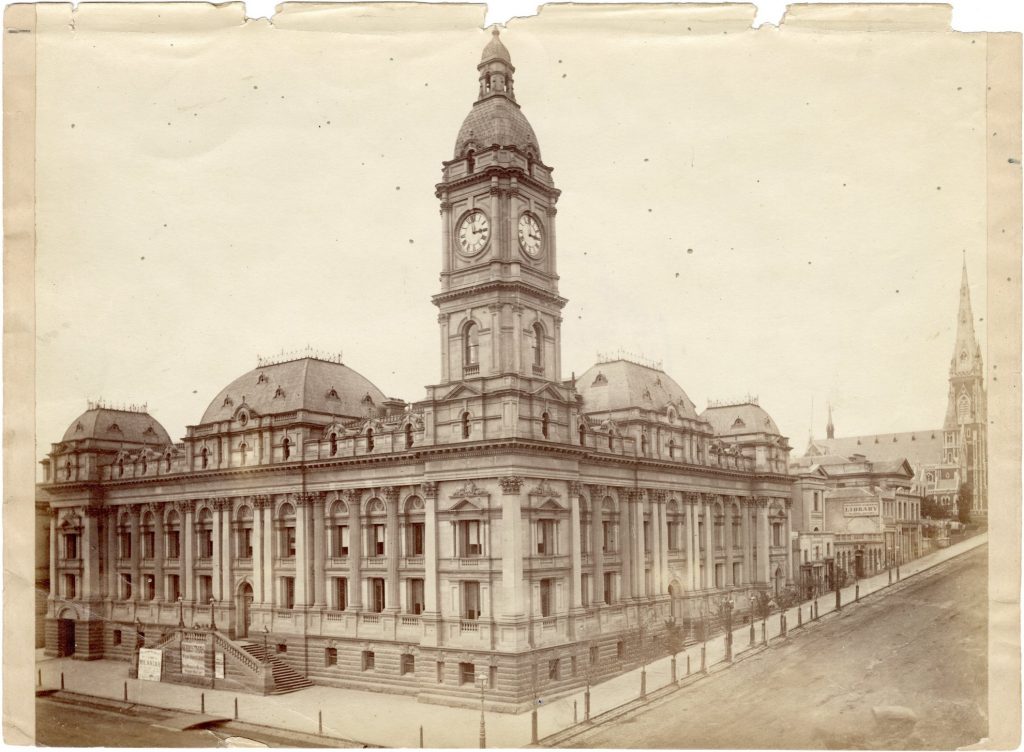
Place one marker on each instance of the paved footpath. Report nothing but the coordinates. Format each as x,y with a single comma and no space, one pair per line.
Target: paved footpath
396,720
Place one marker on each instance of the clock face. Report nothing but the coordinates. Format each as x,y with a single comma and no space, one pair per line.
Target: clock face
474,232
531,237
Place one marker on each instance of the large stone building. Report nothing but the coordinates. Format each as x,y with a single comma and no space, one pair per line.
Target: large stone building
942,459
512,524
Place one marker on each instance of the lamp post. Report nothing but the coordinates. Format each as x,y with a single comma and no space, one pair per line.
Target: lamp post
727,606
181,612
213,619
481,681
266,655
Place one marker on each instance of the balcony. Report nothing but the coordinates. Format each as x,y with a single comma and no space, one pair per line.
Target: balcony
468,626
375,562
412,562
542,561
337,562
285,562
471,369
470,563
244,562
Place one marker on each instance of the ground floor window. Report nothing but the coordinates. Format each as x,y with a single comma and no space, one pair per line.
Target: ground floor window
440,672
554,669
117,637
620,649
331,657
408,663
368,660
595,654
467,673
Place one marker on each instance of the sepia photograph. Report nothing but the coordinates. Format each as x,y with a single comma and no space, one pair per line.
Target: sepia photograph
619,376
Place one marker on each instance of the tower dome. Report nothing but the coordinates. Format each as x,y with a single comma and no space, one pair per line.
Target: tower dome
496,119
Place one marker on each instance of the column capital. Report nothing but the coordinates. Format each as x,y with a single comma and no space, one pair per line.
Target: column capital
89,510
307,498
692,497
598,491
261,501
575,488
185,506
390,494
153,507
658,496
634,495
134,510
511,484
220,503
788,502
761,502
352,495
430,489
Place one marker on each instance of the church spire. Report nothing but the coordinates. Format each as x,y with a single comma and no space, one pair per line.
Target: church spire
830,429
966,352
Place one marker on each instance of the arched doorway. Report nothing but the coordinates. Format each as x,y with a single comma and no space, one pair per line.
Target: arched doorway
65,634
780,580
244,610
675,592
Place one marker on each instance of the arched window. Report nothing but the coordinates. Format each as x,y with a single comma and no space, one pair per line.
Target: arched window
120,468
167,462
465,425
610,440
470,162
470,345
286,446
408,435
334,443
583,434
67,470
545,425
369,439
538,345
671,449
145,465
243,449
204,456
643,444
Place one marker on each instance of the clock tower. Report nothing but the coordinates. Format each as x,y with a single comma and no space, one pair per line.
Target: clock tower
500,311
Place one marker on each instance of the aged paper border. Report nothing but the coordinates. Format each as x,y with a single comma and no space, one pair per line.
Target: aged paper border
1003,342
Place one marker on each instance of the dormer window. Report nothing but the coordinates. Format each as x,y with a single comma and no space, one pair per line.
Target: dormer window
279,392
368,400
120,468
600,380
738,423
145,465
333,394
243,417
261,379
167,462
228,402
78,427
149,431
114,427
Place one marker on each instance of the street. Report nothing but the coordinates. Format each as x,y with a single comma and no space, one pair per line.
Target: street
923,646
63,724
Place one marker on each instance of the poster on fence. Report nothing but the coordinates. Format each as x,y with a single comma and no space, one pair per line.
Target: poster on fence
193,658
150,663
218,665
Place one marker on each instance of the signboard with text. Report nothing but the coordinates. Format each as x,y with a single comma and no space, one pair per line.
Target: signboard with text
193,658
861,509
150,663
218,665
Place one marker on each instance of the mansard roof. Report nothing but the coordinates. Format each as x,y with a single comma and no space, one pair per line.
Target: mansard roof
121,426
623,384
740,419
307,383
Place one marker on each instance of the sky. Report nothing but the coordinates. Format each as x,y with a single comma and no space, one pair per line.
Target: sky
779,213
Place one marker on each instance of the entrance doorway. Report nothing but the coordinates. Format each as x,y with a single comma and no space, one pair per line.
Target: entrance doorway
858,563
244,610
65,637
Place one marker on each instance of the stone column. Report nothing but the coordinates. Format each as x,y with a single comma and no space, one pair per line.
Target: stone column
430,562
442,321
575,547
186,559
729,581
657,542
260,550
692,541
133,520
54,552
91,545
513,589
639,549
319,553
763,550
517,338
626,542
353,498
709,541
303,501
391,592
217,560
158,552
748,550
788,541
227,550
597,494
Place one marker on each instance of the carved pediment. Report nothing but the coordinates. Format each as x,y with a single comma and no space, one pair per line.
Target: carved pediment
461,391
469,489
464,506
544,488
551,506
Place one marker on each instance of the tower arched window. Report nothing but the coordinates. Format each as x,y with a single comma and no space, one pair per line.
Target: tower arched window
609,440
408,435
334,443
538,345
286,447
67,470
471,345
545,425
369,440
243,449
671,449
465,425
204,458
167,462
470,162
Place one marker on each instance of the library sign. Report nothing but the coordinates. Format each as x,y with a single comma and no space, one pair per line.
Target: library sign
861,509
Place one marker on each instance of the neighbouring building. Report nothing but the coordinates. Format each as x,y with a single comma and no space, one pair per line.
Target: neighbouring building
942,459
511,525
